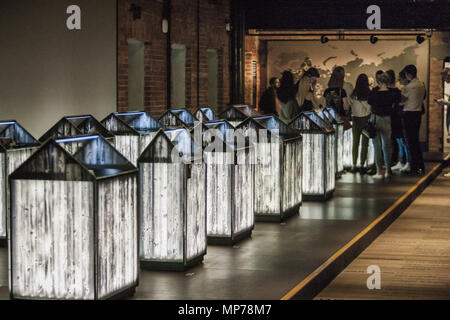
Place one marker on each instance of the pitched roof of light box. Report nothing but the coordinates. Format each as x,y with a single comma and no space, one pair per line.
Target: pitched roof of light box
14,136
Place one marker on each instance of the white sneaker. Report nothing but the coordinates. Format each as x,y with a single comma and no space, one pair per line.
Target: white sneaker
378,176
398,166
406,168
447,175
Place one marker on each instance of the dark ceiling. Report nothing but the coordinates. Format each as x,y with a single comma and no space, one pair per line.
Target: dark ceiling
320,14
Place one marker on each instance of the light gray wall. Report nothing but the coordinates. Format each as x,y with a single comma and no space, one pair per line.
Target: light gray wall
136,68
178,76
48,71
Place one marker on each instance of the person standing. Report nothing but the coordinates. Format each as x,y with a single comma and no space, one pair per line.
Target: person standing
395,122
286,97
382,102
413,98
360,116
267,104
336,96
306,97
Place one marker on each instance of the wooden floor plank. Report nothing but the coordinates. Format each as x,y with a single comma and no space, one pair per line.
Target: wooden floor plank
413,255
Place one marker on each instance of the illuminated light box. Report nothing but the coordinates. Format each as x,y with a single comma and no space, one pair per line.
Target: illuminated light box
74,223
205,114
62,129
331,115
229,184
16,145
319,162
172,199
278,171
174,118
133,132
238,113
348,152
87,124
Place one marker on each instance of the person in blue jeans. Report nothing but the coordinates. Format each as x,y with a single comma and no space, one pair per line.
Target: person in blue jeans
382,102
404,163
445,102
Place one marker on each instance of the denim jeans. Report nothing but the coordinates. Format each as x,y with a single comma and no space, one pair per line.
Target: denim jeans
383,126
403,150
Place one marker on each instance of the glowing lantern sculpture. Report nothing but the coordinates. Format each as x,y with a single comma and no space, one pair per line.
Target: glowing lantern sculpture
16,145
229,184
348,152
205,114
175,118
87,124
133,132
62,129
278,170
172,202
238,113
74,222
319,162
330,115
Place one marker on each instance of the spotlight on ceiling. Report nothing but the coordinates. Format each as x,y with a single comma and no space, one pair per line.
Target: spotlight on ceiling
373,39
323,39
420,39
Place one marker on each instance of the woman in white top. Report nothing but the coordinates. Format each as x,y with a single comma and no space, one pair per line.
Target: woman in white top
360,115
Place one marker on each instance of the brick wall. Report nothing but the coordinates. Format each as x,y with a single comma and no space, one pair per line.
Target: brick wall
439,49
184,30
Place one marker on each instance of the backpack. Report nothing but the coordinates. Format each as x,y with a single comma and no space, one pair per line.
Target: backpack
333,100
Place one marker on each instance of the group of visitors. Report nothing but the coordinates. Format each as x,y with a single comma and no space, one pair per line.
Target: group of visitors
394,113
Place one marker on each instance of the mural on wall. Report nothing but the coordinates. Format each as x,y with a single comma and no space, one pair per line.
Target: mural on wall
355,56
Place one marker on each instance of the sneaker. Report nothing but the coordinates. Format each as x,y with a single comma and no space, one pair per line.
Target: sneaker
406,168
378,176
398,166
447,175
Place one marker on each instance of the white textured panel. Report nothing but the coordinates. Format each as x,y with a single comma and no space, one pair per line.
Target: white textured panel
339,135
267,178
244,217
161,212
196,212
17,157
329,163
219,190
314,164
145,140
129,147
3,186
117,234
292,164
52,239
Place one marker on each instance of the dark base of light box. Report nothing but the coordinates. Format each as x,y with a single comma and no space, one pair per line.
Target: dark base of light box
278,217
3,243
229,241
170,266
324,197
119,295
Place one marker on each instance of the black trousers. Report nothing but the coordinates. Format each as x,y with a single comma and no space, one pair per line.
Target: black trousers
411,125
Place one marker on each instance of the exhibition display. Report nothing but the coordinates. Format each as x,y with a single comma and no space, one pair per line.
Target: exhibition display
238,113
172,206
177,118
229,184
74,222
338,124
62,129
319,148
205,114
16,145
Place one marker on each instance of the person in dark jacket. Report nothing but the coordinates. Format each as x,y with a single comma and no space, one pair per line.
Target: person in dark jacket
289,108
267,103
383,102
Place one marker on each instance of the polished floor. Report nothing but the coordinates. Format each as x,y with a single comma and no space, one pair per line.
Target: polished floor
278,256
413,254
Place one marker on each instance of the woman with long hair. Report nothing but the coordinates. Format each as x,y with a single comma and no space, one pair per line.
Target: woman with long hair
383,102
335,96
306,97
360,116
286,98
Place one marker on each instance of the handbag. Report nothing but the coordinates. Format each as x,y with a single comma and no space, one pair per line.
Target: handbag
370,131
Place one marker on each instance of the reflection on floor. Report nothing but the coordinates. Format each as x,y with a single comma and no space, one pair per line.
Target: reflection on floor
413,254
278,256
